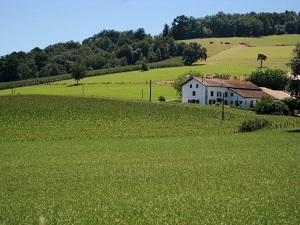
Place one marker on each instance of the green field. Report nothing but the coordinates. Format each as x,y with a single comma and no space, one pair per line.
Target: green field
234,59
243,51
101,153
79,160
128,85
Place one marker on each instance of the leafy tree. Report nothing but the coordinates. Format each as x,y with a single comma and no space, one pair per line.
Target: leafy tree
262,58
292,103
166,30
295,61
193,52
270,78
182,78
294,86
267,106
126,50
78,71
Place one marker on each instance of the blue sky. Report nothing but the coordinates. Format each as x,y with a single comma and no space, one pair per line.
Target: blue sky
26,24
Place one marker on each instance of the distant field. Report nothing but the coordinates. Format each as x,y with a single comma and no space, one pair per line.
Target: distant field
128,91
238,51
79,160
218,44
278,56
130,84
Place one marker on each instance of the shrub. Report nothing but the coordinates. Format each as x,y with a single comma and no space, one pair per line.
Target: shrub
161,99
144,67
268,106
253,125
227,43
292,103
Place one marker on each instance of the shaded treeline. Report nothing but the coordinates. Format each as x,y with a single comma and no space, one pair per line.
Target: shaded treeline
111,48
234,25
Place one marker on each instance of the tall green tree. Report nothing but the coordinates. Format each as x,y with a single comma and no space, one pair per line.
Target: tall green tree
193,52
295,60
78,71
262,58
294,63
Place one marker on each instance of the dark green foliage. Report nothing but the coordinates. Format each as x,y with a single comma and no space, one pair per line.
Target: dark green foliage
161,99
144,67
108,49
78,71
261,57
268,106
192,53
235,25
295,61
293,104
254,125
275,79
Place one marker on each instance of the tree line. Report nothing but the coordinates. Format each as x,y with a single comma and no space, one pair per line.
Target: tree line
110,48
234,25
107,49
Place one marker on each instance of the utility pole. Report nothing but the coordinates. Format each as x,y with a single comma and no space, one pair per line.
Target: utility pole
150,90
223,107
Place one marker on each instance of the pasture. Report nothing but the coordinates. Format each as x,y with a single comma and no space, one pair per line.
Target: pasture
128,85
101,153
79,160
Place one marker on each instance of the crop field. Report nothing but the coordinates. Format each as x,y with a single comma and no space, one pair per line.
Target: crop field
79,160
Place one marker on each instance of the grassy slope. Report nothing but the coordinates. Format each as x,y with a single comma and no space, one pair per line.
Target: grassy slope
278,49
101,161
225,59
30,117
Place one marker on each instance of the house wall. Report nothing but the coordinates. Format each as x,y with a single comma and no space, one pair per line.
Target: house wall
195,92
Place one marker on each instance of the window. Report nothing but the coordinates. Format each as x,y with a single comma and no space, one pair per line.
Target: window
231,94
194,93
231,102
226,94
191,85
212,93
219,94
197,85
211,101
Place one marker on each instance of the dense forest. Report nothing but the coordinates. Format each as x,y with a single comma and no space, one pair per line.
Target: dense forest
111,48
234,25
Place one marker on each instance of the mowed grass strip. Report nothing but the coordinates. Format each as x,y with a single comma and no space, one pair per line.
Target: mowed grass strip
250,178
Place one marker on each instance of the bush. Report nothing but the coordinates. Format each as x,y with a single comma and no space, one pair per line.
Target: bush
253,125
268,106
161,99
144,67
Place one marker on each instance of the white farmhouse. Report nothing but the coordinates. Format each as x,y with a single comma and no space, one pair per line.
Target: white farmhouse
209,91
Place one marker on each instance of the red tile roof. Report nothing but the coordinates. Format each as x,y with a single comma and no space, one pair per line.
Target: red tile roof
213,82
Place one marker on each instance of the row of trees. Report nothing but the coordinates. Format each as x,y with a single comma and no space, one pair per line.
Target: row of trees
106,49
234,25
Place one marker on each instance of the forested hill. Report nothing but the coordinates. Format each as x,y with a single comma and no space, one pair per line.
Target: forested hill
234,25
110,48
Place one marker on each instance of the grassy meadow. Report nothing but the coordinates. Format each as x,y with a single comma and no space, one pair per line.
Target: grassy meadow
80,160
235,59
101,153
